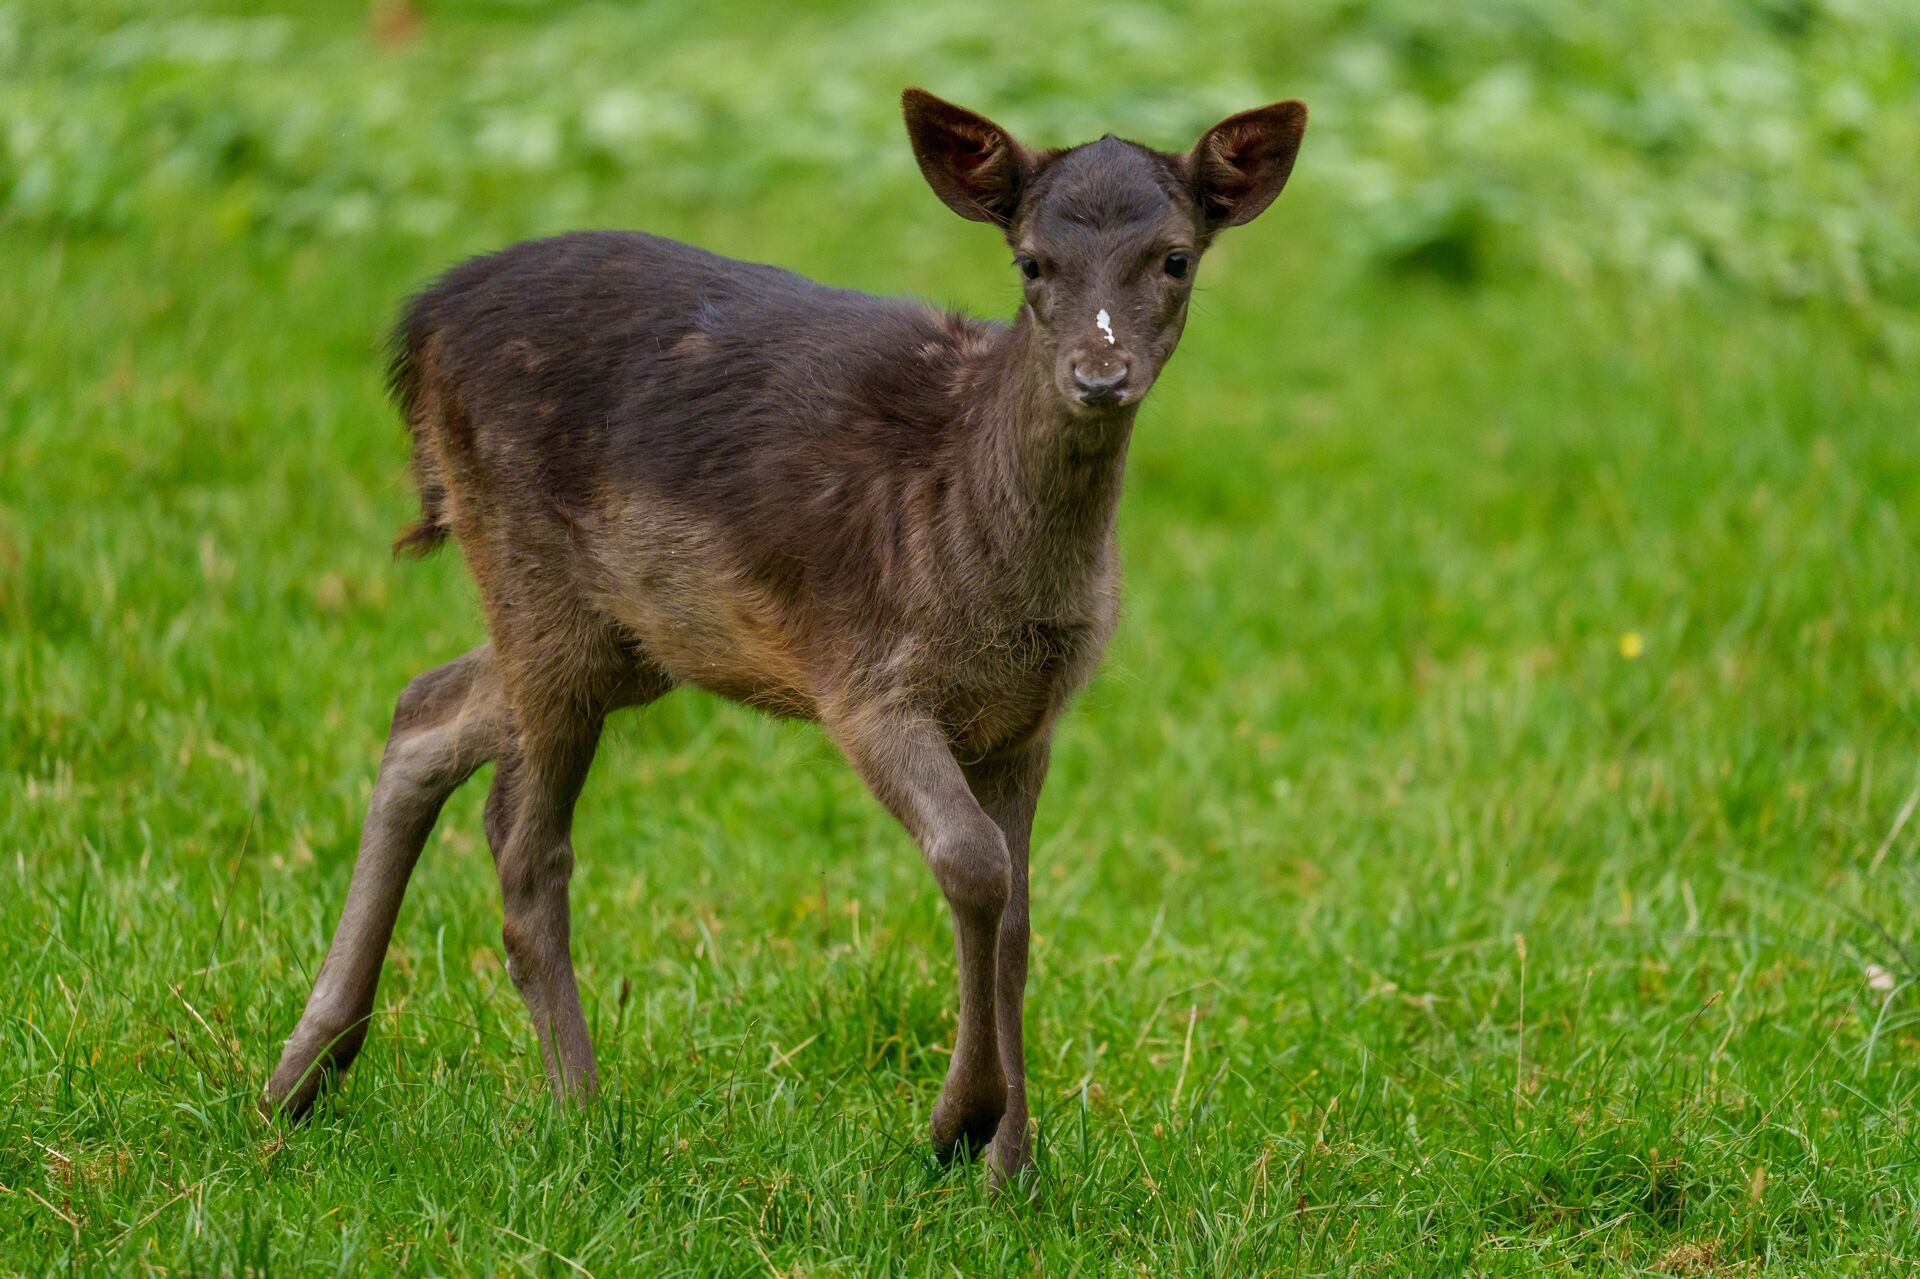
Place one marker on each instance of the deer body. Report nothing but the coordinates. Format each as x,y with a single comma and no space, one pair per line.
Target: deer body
779,492
665,467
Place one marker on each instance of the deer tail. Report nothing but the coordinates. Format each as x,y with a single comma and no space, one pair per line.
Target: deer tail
408,371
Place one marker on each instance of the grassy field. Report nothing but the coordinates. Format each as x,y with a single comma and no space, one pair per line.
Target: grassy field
1486,850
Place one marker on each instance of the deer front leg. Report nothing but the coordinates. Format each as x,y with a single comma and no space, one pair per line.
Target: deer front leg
906,762
1008,789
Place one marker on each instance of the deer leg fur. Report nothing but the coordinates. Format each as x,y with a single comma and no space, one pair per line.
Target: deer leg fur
448,722
1008,790
907,764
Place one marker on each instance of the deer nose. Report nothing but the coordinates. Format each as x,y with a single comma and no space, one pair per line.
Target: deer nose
1103,385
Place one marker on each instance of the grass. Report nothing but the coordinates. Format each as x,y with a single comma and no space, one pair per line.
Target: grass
1471,858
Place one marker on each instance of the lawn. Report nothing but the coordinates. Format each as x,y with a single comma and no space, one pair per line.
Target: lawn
1487,848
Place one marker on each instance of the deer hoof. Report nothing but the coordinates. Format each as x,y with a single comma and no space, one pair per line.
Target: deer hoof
1010,1170
962,1129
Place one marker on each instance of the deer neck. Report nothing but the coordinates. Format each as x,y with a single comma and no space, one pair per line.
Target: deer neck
1044,482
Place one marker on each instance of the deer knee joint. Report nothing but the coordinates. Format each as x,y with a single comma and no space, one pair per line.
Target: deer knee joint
427,749
516,940
434,697
974,869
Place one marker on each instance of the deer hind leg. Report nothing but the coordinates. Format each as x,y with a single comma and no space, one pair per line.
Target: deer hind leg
448,722
558,716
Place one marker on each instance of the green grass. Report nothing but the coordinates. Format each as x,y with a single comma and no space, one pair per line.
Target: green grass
1395,912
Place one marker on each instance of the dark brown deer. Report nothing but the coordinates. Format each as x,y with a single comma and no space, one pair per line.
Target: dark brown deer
666,467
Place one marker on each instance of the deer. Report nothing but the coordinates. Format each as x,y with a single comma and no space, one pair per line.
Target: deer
665,467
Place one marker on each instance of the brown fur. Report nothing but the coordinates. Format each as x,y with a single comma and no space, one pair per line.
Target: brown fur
665,467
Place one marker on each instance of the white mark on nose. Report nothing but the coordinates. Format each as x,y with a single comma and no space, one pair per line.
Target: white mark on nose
1105,322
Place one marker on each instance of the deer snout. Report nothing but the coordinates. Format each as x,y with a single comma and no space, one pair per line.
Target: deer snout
1101,380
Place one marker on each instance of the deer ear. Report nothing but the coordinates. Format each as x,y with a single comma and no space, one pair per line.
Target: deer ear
971,163
1240,164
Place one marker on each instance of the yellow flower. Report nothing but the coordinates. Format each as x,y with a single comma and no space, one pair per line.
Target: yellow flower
1631,646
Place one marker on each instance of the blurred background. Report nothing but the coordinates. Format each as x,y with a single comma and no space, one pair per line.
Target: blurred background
1489,840
1760,145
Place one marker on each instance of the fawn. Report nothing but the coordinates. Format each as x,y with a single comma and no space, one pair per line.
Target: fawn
666,467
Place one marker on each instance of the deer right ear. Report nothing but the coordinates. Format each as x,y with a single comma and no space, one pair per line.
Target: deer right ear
971,163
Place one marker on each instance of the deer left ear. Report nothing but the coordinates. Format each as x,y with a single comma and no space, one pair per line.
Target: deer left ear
971,163
1240,164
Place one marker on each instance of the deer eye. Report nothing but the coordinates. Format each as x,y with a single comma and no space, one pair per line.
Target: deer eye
1028,267
1178,264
